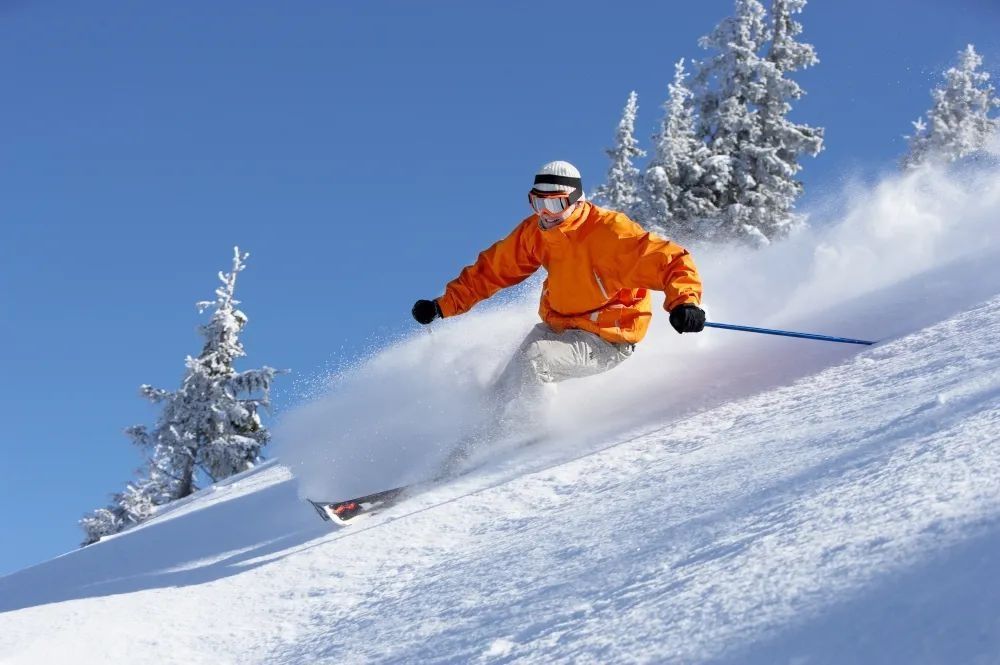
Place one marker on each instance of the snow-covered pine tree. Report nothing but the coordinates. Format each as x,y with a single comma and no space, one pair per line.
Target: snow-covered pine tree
128,508
959,122
743,99
675,201
205,425
784,142
620,190
206,428
102,522
725,87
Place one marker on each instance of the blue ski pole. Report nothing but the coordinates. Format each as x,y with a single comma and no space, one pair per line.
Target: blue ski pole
788,333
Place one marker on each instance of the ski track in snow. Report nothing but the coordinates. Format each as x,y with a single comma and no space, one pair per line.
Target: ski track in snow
852,516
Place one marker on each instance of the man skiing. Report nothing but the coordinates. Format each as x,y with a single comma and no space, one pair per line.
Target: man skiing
596,303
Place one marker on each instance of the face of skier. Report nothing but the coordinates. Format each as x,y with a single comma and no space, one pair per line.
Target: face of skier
551,206
555,192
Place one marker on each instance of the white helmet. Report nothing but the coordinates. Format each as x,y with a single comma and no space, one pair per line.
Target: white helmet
559,169
556,191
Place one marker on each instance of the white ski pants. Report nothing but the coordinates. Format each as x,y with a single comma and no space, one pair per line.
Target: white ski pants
519,398
546,356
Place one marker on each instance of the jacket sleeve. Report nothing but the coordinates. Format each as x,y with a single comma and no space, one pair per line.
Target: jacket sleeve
508,262
644,260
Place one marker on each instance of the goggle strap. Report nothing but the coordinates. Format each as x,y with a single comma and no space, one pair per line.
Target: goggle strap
552,179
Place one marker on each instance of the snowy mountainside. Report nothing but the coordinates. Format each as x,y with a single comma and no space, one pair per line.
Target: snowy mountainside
718,498
849,517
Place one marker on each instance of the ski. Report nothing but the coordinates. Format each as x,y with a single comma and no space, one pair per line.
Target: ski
347,511
350,511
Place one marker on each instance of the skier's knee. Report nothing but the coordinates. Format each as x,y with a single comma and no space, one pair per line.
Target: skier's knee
541,370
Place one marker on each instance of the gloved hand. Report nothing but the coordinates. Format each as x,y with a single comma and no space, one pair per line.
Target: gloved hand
687,318
425,311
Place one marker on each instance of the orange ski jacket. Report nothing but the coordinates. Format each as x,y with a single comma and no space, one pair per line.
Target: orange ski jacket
601,267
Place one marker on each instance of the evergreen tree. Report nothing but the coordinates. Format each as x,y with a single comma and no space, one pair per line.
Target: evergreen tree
675,201
726,85
103,522
205,429
205,425
126,509
783,141
959,122
620,190
743,99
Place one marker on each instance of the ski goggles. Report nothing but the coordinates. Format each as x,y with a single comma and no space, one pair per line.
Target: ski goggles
554,202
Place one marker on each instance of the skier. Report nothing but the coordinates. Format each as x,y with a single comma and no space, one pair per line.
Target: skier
595,307
596,302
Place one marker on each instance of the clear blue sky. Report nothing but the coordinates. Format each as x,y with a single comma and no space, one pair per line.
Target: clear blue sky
361,151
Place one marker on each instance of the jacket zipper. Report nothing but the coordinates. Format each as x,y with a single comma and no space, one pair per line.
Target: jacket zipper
604,292
600,285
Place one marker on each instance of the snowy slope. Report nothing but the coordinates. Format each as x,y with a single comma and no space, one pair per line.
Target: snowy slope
852,516
718,498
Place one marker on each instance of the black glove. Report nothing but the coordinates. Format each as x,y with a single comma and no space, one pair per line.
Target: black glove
687,318
425,311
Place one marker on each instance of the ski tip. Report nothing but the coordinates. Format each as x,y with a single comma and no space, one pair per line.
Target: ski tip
320,510
328,514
